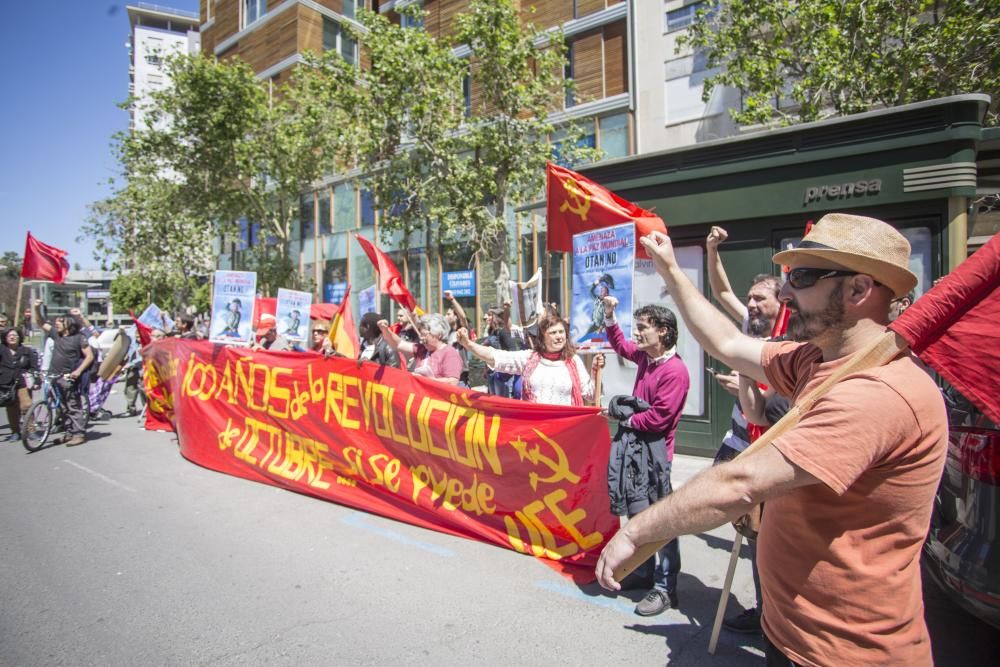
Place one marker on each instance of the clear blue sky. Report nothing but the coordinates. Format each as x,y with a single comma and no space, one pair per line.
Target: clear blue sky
65,72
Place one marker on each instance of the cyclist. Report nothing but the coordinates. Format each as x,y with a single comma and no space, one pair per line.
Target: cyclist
71,356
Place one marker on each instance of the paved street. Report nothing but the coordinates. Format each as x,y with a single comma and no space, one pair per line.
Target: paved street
121,552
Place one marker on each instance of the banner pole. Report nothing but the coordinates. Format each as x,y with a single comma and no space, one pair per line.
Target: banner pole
17,309
598,379
720,611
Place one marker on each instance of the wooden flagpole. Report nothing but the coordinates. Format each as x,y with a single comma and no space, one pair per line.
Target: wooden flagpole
720,611
17,309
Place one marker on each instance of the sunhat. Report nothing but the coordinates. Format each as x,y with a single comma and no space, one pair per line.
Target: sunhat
865,245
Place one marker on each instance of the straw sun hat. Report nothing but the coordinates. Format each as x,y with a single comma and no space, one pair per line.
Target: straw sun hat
857,243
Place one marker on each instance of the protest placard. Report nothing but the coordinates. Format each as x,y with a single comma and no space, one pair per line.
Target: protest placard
603,264
232,307
292,314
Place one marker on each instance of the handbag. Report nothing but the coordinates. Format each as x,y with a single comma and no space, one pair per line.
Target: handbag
8,394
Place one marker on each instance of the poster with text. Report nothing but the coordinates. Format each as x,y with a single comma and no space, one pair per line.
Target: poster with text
232,307
603,263
154,318
292,314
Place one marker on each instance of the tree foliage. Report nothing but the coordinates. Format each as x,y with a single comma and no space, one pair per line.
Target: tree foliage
833,57
443,174
218,146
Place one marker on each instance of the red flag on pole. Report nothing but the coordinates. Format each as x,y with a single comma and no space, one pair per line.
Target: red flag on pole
343,333
390,281
43,262
577,204
145,333
954,328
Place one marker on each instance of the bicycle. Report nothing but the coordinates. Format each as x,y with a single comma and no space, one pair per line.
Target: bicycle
46,414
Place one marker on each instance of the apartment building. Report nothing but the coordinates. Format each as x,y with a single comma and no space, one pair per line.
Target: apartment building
271,36
155,33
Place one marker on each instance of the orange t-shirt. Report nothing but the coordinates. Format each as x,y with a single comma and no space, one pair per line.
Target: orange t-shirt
840,561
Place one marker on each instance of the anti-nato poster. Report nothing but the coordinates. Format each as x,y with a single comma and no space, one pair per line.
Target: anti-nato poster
154,318
292,314
232,307
603,263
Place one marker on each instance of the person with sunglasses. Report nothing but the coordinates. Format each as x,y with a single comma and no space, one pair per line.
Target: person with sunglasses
319,335
850,488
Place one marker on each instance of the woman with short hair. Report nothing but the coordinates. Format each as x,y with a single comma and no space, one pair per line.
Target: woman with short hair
433,357
552,371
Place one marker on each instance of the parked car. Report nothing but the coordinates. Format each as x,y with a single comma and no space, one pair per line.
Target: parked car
962,551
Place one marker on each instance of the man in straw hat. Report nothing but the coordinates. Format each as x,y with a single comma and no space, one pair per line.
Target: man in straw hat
849,490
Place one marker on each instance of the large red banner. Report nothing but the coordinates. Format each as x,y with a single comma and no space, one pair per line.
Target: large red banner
528,477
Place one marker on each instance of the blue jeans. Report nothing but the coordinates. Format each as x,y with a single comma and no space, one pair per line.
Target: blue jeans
665,565
504,384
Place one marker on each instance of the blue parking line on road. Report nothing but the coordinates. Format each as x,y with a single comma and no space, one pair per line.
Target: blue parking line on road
356,520
570,591
615,604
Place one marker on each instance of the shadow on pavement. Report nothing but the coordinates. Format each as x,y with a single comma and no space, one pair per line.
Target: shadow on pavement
687,630
722,544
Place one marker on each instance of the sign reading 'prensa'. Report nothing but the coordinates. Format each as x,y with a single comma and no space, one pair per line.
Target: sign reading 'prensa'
524,476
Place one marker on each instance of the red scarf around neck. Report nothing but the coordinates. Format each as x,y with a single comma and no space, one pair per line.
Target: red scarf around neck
576,395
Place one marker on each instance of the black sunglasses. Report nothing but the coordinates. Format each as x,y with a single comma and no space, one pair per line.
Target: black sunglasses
803,278
319,331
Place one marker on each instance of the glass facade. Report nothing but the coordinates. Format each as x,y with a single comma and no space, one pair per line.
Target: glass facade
345,205
614,135
253,10
323,201
307,212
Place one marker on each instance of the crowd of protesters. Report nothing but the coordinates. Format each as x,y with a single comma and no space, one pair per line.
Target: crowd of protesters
69,355
877,485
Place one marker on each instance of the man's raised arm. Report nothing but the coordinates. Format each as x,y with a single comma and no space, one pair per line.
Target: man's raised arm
715,332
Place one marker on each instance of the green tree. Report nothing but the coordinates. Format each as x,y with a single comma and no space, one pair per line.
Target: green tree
834,57
10,275
146,232
444,177
10,265
218,145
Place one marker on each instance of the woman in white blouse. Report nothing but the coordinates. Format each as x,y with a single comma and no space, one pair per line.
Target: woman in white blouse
552,372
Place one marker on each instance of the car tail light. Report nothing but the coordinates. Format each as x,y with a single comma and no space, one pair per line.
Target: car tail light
979,452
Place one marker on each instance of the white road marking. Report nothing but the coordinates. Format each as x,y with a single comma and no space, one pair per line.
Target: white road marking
103,478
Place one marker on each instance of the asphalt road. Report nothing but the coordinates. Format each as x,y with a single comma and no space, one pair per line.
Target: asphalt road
121,552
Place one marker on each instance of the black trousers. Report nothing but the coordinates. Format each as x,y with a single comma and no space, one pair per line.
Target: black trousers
774,656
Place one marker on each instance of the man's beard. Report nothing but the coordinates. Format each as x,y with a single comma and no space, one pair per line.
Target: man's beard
758,326
805,326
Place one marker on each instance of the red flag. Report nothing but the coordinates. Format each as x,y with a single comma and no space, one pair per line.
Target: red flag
577,204
264,305
953,328
390,281
780,326
145,333
43,262
343,333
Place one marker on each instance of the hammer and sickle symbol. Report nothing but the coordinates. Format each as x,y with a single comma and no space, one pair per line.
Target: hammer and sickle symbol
559,467
580,199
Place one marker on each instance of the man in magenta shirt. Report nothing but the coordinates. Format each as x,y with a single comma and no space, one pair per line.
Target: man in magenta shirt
661,381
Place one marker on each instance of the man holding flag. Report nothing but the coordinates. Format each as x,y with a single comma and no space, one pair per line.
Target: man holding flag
850,488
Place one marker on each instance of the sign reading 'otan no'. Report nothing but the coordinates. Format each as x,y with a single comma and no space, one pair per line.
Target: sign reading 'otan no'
460,283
